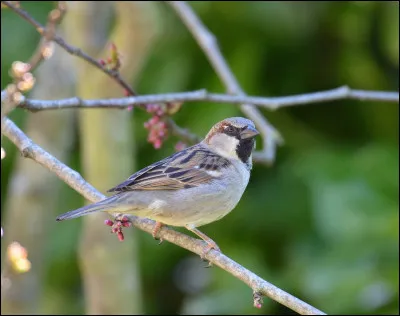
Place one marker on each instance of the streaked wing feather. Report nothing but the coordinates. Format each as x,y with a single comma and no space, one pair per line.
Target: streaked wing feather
185,169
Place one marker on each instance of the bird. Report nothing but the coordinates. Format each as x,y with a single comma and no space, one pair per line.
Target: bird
191,188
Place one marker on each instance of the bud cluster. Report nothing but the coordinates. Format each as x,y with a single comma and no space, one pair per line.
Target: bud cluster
116,227
158,129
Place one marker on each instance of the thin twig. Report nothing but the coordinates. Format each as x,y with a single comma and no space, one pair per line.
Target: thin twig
45,48
30,150
20,72
113,73
272,103
71,49
208,43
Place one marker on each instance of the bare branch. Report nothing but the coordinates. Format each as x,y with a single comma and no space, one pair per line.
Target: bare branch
208,43
45,47
202,95
259,286
70,49
23,80
272,103
30,150
112,72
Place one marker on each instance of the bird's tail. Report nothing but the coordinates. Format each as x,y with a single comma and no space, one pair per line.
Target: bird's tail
103,205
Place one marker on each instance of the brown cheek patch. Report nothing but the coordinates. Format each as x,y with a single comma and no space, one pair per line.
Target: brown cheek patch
216,129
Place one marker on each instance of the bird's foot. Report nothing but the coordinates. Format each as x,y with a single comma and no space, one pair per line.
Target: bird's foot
156,230
117,224
210,245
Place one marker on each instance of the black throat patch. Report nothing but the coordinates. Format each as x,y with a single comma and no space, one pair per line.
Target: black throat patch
244,149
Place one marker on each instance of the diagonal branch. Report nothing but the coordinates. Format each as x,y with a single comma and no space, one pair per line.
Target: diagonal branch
70,49
273,103
259,286
208,43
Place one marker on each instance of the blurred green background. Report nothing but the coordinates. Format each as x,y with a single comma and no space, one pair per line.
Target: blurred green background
321,223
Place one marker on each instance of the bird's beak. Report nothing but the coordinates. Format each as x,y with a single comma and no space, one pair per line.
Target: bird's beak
249,132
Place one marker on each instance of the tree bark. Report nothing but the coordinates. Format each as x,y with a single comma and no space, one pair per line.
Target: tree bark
110,269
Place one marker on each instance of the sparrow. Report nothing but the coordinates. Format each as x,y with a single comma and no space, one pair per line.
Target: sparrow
191,188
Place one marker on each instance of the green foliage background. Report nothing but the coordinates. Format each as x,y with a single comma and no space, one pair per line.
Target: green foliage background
322,222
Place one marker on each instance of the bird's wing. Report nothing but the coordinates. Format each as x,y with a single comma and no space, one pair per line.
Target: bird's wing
186,169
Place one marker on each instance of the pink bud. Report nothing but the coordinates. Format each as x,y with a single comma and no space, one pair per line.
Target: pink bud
126,224
108,222
154,120
154,108
102,62
153,134
257,305
151,137
115,229
120,236
157,143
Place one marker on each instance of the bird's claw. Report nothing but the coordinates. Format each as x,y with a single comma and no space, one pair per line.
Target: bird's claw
160,240
156,230
209,264
210,245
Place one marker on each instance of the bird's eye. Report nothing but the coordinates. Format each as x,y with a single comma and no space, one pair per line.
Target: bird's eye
229,129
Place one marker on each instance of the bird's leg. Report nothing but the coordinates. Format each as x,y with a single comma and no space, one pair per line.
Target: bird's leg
211,244
116,226
156,230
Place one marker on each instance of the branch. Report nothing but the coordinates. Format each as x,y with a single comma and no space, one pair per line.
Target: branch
23,79
273,103
45,48
208,43
69,48
259,286
113,73
30,150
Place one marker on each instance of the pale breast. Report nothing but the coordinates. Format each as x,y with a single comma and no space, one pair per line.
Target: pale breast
196,206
